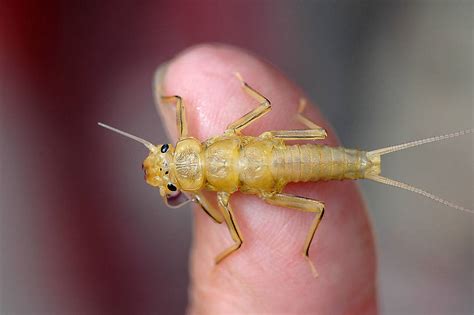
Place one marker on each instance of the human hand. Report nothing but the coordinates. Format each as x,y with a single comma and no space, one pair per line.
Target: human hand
268,274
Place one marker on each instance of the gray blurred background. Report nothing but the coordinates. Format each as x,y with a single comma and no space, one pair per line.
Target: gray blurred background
81,233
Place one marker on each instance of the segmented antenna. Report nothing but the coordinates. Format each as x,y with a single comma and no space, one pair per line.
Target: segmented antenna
418,142
147,144
391,182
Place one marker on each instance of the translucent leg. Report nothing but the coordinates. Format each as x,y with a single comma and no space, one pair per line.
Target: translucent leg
305,120
314,133
303,204
181,122
223,201
307,134
208,208
253,115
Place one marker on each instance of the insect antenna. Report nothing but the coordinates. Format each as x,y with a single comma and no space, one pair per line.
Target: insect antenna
391,182
147,144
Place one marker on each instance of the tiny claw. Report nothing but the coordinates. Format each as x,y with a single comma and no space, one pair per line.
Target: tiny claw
325,133
314,272
302,105
239,77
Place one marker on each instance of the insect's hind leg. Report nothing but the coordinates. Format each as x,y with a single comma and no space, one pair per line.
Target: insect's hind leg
181,122
250,117
224,206
314,133
305,120
302,204
306,134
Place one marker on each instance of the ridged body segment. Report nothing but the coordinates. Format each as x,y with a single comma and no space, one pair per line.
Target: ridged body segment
187,168
221,158
311,162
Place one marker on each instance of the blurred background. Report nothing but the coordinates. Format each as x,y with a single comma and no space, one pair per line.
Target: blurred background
81,232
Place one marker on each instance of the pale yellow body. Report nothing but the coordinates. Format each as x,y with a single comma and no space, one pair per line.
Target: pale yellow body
261,165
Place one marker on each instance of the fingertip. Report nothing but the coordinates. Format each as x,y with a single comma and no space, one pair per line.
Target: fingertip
205,77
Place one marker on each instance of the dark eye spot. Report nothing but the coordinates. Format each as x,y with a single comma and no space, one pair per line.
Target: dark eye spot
171,187
166,173
143,166
164,148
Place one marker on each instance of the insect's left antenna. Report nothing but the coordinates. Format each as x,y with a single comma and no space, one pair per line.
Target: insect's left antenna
147,144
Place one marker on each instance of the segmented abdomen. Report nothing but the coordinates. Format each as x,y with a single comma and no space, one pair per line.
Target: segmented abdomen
309,162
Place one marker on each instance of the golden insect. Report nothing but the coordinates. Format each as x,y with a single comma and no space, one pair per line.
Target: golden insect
261,165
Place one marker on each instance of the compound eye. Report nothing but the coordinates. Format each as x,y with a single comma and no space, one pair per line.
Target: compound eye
164,148
172,187
174,191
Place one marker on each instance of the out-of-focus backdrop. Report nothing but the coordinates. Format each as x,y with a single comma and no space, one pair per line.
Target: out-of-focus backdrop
81,232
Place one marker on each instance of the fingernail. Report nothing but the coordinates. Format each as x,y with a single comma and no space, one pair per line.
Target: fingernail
166,113
158,81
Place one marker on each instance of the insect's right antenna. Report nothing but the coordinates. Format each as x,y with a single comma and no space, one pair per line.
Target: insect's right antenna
147,144
391,182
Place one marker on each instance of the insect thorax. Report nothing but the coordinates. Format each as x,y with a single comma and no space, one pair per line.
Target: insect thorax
187,168
240,163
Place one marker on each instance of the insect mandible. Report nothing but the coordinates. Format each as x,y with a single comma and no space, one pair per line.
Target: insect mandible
261,165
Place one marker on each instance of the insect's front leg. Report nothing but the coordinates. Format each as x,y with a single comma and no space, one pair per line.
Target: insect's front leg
303,204
253,115
208,208
229,217
181,121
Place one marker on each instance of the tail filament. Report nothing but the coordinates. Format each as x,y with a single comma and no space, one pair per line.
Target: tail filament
419,142
391,182
387,181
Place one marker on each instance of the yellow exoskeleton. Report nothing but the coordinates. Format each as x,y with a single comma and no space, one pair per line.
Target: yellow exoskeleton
260,165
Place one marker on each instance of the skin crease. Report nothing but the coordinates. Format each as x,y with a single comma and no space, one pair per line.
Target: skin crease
269,275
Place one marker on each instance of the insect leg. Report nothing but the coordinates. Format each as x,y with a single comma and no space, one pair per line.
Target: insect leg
305,120
181,122
208,208
223,201
314,133
253,115
303,204
307,134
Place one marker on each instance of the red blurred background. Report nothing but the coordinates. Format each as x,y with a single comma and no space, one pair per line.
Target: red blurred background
80,230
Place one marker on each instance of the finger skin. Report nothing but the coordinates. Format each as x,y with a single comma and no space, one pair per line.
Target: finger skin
268,275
